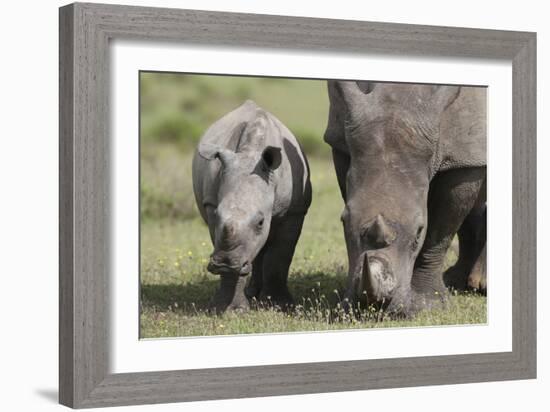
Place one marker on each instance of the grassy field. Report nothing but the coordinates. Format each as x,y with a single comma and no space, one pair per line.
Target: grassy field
176,288
175,245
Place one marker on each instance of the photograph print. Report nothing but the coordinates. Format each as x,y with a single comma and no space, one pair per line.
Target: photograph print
277,205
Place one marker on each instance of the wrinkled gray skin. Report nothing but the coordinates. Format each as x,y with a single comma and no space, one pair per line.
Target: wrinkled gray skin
470,270
252,187
411,165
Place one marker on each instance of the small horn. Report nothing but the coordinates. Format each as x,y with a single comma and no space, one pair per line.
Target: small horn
379,233
227,234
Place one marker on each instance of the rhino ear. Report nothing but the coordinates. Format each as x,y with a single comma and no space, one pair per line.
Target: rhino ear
271,157
210,152
253,134
353,93
364,86
226,157
444,96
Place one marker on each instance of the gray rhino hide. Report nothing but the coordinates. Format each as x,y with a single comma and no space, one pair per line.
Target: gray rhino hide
244,146
411,166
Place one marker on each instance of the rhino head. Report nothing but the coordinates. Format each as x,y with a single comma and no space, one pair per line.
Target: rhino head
239,224
391,131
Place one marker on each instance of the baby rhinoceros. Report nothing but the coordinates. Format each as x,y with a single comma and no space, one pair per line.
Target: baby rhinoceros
252,187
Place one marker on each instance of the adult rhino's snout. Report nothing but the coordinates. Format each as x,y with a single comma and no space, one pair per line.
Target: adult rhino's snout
222,264
377,279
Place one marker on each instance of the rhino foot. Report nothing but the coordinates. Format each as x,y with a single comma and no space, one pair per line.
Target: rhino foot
277,298
253,289
478,277
477,281
456,278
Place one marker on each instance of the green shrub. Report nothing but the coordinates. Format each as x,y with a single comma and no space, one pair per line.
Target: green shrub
166,188
312,143
173,127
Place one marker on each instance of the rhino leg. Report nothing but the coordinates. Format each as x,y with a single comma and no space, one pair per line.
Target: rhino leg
277,258
453,194
230,296
471,237
254,286
478,276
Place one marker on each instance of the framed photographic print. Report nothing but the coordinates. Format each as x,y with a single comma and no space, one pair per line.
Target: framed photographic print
257,205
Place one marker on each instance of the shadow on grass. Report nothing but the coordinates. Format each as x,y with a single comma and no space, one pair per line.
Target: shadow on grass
166,296
195,296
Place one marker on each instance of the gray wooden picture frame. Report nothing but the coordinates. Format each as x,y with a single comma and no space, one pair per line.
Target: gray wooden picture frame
85,32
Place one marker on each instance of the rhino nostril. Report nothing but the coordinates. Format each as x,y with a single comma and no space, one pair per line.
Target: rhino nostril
220,260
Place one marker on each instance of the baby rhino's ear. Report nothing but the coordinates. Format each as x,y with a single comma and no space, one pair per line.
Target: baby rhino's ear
271,156
210,152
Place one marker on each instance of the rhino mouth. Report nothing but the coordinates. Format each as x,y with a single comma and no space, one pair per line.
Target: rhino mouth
225,269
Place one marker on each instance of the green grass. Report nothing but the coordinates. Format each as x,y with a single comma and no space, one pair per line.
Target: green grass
174,252
175,321
166,189
176,287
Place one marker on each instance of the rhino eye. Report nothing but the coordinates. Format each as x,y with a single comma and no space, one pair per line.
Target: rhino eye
258,222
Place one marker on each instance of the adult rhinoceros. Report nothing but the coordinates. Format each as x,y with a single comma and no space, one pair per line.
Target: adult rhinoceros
252,187
411,165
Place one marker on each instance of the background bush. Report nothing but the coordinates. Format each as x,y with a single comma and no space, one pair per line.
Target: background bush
176,109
